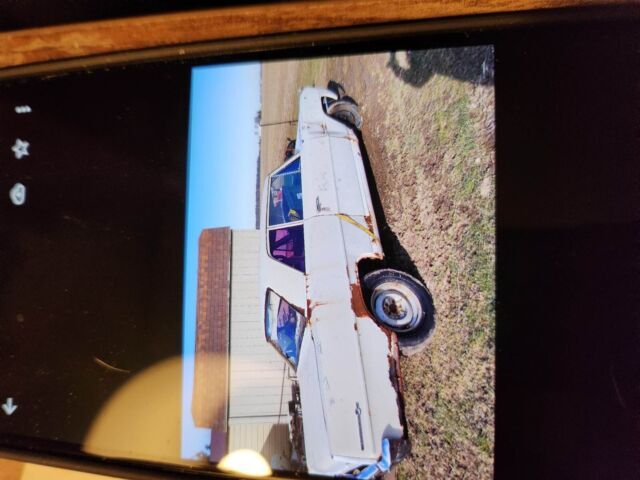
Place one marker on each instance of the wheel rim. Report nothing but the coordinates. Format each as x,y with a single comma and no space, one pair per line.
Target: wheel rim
345,111
396,306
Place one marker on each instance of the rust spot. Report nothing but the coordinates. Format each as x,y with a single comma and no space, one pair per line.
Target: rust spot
357,301
311,305
306,289
396,380
359,306
391,336
309,308
367,219
355,325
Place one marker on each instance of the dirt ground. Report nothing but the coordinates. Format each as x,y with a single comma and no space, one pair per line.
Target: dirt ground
429,134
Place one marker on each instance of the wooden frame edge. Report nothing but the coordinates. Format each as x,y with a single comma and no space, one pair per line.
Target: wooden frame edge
62,42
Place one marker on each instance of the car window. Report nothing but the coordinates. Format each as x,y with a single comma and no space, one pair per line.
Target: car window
284,326
285,195
287,246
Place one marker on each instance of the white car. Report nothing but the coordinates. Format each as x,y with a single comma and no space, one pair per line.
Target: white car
331,308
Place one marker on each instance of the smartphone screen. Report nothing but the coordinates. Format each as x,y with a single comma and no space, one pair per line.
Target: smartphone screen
286,263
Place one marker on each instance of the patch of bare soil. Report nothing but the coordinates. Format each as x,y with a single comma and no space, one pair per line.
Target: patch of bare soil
279,92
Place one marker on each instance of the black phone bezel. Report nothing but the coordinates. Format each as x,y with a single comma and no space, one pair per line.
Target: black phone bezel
493,29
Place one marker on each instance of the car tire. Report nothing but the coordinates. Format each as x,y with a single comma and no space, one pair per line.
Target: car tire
346,110
336,88
402,304
347,98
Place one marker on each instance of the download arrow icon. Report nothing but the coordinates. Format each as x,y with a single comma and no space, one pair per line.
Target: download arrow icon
9,407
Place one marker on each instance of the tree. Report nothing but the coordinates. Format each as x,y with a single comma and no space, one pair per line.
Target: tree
258,119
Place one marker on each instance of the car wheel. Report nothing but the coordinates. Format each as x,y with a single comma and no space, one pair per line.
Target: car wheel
348,99
402,304
336,88
346,110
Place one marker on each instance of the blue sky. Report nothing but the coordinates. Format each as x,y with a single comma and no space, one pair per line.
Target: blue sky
221,189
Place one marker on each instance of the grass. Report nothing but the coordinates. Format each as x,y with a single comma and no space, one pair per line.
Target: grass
454,438
454,126
479,242
449,387
464,426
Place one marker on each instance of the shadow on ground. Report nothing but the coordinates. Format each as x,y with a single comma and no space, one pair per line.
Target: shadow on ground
469,64
396,255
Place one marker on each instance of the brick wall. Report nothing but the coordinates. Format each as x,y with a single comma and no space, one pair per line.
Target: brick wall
210,389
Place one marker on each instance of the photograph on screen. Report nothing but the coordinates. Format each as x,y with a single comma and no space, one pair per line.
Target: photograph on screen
339,280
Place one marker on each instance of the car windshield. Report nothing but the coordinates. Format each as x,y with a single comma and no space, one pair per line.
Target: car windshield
285,195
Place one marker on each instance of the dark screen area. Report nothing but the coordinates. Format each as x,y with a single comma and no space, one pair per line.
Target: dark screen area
34,13
91,264
568,240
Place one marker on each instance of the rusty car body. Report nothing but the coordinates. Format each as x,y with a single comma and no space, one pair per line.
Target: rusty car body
317,225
